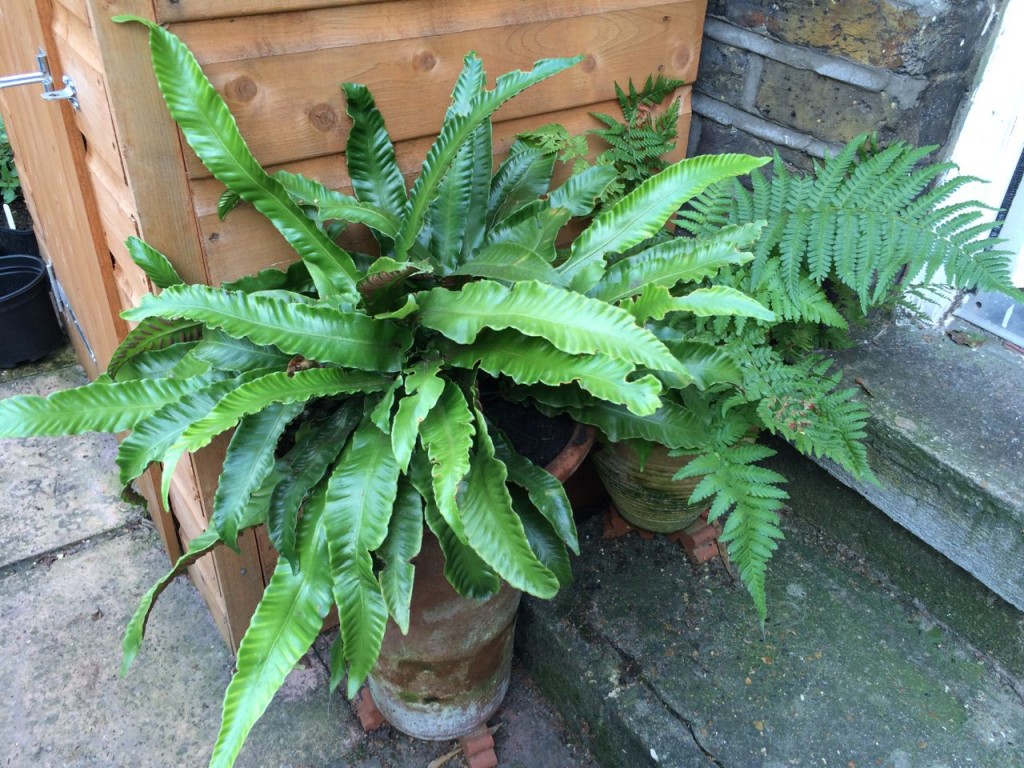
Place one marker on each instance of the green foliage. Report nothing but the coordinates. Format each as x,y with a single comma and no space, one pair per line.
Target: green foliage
851,235
825,249
352,384
10,186
638,141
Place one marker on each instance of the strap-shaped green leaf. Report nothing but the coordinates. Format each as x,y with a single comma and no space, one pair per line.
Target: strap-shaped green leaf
720,300
546,492
470,576
102,406
360,500
403,542
317,332
493,529
158,364
211,131
461,198
153,436
455,132
248,461
511,262
370,155
447,435
333,205
296,278
677,260
337,661
533,228
534,361
423,387
641,213
544,542
671,425
706,364
302,468
284,626
226,353
150,335
282,387
579,193
522,178
157,267
381,413
573,323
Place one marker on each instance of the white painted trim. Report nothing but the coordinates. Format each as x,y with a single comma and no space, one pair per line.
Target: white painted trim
991,136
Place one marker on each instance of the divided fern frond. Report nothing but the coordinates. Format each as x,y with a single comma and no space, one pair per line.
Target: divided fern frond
865,219
751,496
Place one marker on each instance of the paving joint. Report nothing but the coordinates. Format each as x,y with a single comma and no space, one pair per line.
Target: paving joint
49,556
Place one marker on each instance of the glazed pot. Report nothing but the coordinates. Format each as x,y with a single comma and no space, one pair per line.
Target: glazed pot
643,491
450,673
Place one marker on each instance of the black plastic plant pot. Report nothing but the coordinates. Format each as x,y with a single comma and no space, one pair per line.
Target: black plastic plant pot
28,324
18,241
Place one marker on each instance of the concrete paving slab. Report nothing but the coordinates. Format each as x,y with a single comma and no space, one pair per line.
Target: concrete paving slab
74,561
66,705
51,495
675,671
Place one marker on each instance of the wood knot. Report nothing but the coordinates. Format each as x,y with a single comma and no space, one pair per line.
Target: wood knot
424,61
682,57
589,63
242,89
323,117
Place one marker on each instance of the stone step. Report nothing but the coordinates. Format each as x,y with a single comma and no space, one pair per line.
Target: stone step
662,664
946,442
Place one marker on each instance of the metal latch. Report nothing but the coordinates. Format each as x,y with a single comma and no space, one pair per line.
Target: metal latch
44,78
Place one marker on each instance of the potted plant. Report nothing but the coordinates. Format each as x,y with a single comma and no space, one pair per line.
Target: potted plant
16,235
29,329
357,385
835,245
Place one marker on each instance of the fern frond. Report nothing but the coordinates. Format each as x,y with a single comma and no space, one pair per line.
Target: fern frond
751,497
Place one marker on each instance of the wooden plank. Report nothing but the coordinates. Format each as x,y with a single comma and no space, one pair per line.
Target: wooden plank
240,574
82,62
203,572
290,108
190,10
343,25
148,485
114,201
51,158
147,138
76,8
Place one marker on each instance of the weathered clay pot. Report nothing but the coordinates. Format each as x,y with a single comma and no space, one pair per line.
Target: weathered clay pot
449,674
648,497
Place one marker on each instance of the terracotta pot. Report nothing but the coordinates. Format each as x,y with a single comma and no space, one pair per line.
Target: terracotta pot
449,674
644,492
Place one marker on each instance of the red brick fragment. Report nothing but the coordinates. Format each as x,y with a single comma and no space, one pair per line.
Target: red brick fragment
478,748
370,718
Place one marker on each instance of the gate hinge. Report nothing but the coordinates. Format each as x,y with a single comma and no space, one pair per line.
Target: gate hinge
44,78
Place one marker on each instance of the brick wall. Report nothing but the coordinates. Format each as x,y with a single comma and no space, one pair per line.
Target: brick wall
806,76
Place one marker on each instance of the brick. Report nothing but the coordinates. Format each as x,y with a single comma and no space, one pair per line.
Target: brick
899,35
819,106
478,748
723,72
370,718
